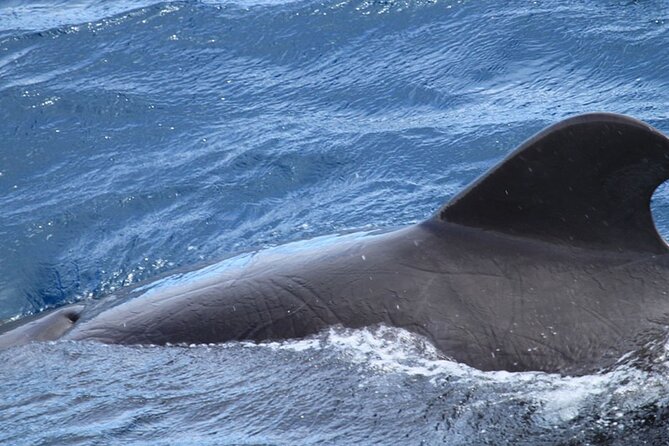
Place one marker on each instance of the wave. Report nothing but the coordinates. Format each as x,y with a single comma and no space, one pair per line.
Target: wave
371,385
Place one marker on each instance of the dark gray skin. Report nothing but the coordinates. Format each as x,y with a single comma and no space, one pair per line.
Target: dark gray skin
549,262
47,326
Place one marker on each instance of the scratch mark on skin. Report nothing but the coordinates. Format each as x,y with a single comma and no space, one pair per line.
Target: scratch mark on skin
606,321
647,260
469,333
424,295
543,343
598,282
472,309
449,273
303,303
321,299
256,327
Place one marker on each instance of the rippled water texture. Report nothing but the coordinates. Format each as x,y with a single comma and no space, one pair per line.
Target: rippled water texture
138,137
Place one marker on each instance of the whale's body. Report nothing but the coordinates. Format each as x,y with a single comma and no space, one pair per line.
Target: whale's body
549,262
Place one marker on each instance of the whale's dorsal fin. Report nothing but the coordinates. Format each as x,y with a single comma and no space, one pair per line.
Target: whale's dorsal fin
586,181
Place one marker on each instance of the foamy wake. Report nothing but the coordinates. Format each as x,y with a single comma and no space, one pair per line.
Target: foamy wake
558,399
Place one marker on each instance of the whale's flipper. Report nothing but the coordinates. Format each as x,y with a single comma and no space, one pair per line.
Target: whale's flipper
45,327
586,181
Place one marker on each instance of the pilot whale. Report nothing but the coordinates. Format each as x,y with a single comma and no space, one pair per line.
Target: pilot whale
550,262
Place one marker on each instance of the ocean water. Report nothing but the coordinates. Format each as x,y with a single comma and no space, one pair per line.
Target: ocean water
138,137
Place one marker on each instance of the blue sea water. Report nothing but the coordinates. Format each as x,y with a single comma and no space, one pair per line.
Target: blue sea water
138,137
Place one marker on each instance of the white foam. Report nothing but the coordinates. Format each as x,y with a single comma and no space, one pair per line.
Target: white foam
559,399
566,397
298,345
